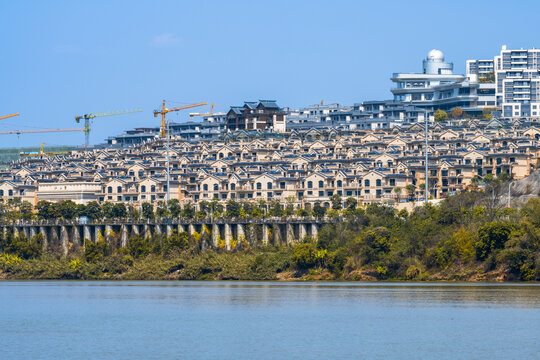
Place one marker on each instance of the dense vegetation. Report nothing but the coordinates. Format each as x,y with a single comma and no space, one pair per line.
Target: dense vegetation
466,237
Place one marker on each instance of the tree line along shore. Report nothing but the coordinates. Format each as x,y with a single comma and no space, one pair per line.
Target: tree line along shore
466,237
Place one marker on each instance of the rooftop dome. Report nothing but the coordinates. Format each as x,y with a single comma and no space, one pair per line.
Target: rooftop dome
435,55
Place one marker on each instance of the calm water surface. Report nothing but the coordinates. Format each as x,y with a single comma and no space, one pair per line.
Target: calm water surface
268,320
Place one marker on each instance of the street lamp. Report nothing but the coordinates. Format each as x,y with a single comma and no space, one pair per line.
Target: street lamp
426,191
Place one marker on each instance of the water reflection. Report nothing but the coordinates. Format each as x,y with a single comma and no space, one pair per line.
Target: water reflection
296,293
267,320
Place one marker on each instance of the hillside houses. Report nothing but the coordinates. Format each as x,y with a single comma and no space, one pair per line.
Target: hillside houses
305,166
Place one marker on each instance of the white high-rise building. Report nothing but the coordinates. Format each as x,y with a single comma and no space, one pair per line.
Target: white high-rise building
517,76
483,69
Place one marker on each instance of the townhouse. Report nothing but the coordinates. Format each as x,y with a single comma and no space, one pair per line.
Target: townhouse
300,166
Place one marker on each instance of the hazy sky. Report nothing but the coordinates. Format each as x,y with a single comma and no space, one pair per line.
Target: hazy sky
64,58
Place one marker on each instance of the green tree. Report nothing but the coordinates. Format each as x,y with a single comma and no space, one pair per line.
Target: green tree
26,210
337,202
176,242
25,248
161,209
351,203
397,191
174,208
233,209
440,115
216,207
95,252
302,212
107,210
490,237
410,189
263,206
503,176
318,210
307,255
47,210
204,206
93,210
147,210
373,244
138,247
188,211
275,208
289,208
133,212
68,209
119,211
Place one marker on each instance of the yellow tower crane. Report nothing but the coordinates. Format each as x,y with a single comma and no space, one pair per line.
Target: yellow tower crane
164,111
42,152
8,116
192,115
89,117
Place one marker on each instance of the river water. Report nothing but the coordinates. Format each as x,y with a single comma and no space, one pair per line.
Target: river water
268,320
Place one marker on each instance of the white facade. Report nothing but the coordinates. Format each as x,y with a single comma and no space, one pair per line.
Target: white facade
517,76
480,68
79,192
418,88
438,88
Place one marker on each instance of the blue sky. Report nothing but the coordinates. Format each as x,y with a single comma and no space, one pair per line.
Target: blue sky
64,58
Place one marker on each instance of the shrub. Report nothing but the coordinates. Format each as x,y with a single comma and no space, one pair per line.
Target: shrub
490,237
75,264
128,260
138,247
306,256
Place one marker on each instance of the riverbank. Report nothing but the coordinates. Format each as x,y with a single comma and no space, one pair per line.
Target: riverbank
271,264
464,238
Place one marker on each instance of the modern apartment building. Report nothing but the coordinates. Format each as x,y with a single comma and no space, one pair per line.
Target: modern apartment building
314,113
419,88
483,69
437,87
517,76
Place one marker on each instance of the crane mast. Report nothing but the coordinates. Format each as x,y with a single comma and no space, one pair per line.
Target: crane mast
88,117
164,111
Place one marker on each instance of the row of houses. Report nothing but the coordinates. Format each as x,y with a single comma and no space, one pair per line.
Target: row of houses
299,166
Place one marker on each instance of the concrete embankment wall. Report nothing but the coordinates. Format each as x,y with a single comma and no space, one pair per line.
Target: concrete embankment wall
66,236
